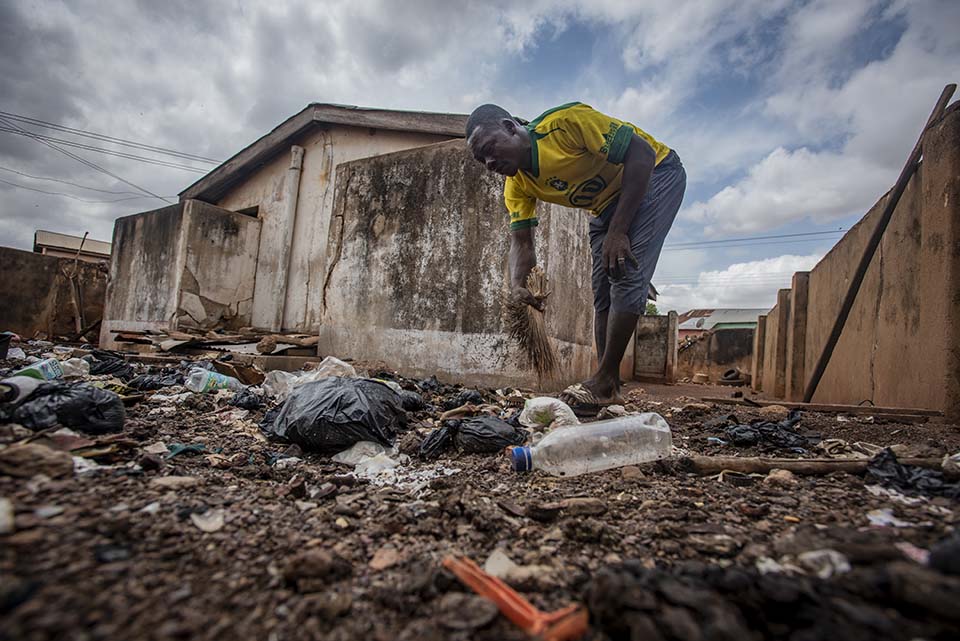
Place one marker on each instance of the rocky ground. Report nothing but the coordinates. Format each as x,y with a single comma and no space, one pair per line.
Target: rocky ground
232,540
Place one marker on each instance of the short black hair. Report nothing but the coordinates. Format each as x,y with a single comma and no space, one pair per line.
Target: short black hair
486,115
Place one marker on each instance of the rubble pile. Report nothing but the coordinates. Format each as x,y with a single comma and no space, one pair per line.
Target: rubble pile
199,497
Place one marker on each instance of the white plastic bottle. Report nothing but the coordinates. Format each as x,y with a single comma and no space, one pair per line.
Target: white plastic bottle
18,388
592,447
202,380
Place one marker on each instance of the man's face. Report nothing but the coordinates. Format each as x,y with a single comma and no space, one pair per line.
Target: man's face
500,147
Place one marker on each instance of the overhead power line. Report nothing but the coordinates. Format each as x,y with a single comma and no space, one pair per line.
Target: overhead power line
101,150
113,139
84,161
67,182
83,200
728,240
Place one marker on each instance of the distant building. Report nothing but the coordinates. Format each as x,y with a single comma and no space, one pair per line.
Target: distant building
51,243
699,321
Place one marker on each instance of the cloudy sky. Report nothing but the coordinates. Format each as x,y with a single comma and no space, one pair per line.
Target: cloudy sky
791,116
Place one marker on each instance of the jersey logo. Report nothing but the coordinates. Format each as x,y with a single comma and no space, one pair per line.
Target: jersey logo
558,184
584,194
608,137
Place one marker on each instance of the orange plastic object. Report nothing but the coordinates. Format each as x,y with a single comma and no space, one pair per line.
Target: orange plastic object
566,624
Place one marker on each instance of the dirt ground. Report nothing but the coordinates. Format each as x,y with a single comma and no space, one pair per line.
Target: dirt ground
307,551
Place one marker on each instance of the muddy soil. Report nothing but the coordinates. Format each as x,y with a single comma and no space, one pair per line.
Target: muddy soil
307,551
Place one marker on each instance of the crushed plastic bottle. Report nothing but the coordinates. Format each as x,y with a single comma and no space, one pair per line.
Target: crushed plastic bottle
581,449
46,370
201,380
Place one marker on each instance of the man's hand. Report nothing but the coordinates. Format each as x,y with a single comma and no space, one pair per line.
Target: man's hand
616,254
523,295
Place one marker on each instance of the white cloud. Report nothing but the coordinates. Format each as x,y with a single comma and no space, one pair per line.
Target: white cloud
741,285
788,186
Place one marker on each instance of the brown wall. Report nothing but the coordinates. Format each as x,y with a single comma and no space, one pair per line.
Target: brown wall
716,352
901,344
36,293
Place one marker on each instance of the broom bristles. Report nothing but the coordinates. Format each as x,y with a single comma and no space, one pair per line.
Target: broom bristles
528,327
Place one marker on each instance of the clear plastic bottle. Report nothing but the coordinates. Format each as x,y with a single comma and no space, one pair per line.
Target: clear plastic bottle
592,447
202,380
45,370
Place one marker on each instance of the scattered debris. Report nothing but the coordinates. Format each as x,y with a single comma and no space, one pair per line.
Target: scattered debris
209,521
483,435
910,479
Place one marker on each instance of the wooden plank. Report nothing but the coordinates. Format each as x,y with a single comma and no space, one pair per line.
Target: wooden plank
762,465
826,407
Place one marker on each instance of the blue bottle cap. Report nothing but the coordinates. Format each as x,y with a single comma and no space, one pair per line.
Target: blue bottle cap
522,461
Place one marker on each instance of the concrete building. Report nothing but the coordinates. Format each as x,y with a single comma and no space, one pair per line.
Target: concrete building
697,322
51,243
246,244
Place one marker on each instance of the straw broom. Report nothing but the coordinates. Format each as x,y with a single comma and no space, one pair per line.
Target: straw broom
528,327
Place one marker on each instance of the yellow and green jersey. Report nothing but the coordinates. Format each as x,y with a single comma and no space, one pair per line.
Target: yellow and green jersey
576,160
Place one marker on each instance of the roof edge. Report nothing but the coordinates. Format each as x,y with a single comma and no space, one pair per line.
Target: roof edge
216,183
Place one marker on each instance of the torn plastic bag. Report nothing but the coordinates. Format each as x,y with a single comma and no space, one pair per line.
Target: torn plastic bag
546,411
79,406
151,382
777,434
247,399
330,415
481,435
909,479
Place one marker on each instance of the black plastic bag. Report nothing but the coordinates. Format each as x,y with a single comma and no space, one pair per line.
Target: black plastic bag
79,406
334,413
412,402
464,397
104,362
481,435
246,399
910,479
151,382
777,434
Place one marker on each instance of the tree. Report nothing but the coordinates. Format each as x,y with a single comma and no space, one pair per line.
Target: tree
652,309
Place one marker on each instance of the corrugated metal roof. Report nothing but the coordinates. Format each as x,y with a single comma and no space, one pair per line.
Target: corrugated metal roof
696,319
68,242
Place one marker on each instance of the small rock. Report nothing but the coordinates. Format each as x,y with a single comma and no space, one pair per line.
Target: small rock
48,511
631,473
316,566
580,506
25,460
156,448
304,506
295,488
342,523
714,544
150,462
701,378
175,482
534,577
7,525
460,611
773,412
267,344
384,558
209,521
328,605
696,408
781,478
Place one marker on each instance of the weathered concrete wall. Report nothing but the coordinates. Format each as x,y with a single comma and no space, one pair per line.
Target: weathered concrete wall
653,350
36,293
716,352
299,293
901,344
219,269
417,264
190,265
775,347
